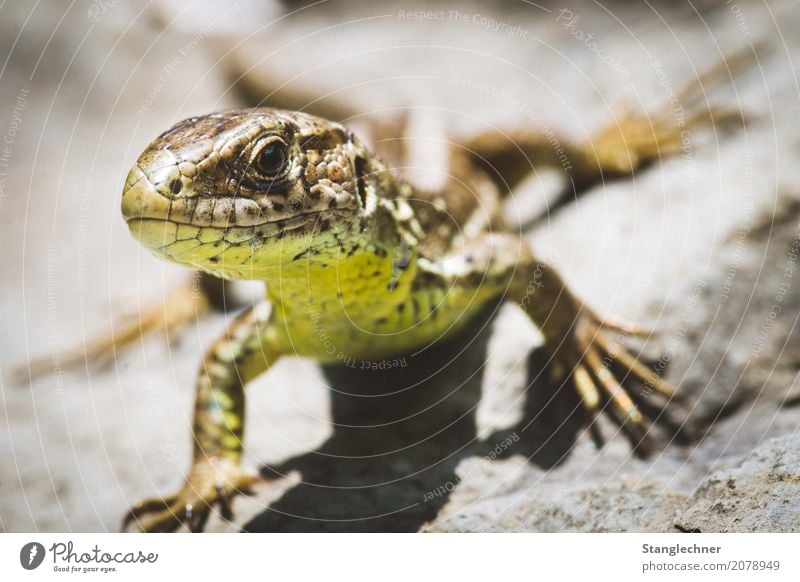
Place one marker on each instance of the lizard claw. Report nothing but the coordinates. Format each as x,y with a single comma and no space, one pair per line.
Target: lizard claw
619,326
605,375
145,506
211,482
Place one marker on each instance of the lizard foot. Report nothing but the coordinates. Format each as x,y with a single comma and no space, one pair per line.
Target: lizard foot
181,307
635,139
609,378
210,482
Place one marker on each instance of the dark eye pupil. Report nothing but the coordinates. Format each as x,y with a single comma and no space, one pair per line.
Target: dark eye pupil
272,158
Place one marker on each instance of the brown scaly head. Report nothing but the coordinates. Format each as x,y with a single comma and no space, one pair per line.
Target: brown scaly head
241,193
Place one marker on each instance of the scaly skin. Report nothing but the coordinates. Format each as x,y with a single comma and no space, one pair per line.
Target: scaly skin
357,265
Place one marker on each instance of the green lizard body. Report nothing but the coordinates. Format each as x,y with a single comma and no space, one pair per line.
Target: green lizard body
358,264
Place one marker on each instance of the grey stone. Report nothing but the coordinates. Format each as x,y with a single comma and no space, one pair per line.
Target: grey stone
698,246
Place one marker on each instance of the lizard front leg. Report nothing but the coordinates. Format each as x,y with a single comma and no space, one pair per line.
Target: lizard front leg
216,476
581,352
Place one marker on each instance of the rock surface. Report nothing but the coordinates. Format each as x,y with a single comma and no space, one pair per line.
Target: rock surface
702,246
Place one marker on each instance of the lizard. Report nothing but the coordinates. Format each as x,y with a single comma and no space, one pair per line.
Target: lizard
629,144
359,263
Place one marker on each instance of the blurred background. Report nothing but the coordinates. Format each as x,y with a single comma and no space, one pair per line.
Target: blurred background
702,246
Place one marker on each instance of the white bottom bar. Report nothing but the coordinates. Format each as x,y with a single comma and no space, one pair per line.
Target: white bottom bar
406,557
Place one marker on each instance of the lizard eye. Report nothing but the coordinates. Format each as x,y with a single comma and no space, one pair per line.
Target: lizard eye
272,157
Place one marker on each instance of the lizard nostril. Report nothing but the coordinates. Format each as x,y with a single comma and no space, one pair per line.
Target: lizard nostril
176,186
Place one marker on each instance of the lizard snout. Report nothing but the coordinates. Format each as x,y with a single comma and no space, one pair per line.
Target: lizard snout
146,210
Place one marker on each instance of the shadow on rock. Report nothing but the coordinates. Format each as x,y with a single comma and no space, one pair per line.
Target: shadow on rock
551,420
399,434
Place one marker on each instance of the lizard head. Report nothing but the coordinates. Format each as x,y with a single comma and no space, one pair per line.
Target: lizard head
240,192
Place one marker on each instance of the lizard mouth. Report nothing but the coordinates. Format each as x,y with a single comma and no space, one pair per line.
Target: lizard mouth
158,221
162,233
141,199
218,241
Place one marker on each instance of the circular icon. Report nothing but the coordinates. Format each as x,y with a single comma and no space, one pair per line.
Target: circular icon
31,555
